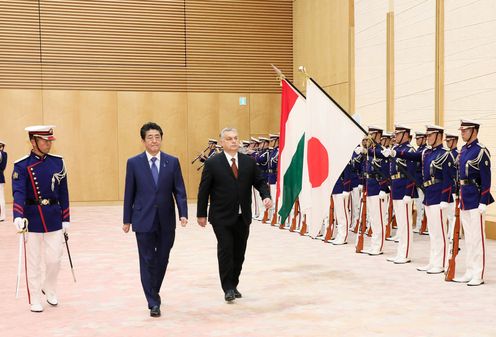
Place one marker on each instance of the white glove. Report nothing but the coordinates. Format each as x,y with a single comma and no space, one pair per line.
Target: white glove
407,199
454,196
443,204
358,149
382,195
386,152
360,187
393,153
20,224
482,208
65,226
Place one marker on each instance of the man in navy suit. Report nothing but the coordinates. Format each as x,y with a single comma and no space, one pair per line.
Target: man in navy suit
153,181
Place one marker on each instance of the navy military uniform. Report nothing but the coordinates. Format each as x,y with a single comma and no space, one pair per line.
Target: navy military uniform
376,182
436,163
263,159
403,189
449,212
340,195
39,187
475,183
3,164
419,200
272,169
356,176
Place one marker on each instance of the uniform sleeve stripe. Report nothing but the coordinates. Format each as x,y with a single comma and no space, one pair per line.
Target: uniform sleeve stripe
485,192
446,190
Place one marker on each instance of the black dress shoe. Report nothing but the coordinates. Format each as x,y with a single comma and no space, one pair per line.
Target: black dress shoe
230,296
237,294
155,311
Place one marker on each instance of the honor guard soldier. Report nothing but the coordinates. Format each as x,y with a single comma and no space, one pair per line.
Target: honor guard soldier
402,172
376,187
451,143
272,169
39,187
356,176
436,164
475,183
421,142
262,158
340,197
3,164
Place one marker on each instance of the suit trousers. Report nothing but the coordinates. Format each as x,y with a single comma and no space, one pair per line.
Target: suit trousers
47,248
231,248
154,249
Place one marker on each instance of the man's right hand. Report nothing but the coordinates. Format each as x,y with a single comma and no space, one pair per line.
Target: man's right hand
202,221
126,227
19,223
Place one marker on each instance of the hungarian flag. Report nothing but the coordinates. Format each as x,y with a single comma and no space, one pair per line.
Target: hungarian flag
331,137
291,147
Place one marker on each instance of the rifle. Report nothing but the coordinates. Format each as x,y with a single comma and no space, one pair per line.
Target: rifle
423,226
330,227
453,245
392,219
303,229
265,216
296,213
274,216
363,224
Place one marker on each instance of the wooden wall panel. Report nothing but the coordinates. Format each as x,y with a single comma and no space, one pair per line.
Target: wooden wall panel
263,120
18,109
320,34
86,138
137,108
156,45
203,123
231,114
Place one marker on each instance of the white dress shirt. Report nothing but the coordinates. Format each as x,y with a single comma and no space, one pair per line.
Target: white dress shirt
157,162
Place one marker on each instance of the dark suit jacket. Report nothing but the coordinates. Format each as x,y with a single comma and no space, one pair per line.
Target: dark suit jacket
228,193
3,163
142,199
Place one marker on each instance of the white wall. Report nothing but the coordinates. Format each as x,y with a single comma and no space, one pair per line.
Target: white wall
470,65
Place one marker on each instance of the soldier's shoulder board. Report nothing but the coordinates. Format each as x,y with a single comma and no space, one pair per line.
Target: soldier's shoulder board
481,145
21,159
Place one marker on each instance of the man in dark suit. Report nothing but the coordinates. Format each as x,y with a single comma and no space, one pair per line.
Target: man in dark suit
227,179
153,181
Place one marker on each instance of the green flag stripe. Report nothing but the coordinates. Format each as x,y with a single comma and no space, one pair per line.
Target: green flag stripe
292,180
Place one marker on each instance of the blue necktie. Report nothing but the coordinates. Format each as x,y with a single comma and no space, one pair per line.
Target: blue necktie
154,170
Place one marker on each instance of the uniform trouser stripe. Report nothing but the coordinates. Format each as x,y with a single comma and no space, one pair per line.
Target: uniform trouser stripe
444,236
483,247
346,217
382,224
404,232
436,236
407,230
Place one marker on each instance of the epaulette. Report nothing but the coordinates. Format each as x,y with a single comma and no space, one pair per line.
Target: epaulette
55,155
481,145
446,148
21,159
